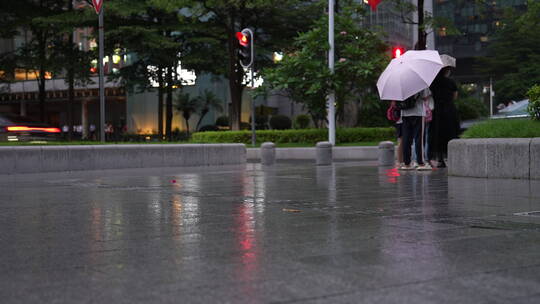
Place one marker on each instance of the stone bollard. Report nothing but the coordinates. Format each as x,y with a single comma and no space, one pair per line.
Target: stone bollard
268,153
386,153
324,153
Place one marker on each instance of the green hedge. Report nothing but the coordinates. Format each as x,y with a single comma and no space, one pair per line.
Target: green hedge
471,108
504,128
310,136
534,102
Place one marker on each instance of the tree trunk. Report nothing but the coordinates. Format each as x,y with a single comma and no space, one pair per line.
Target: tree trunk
41,77
203,114
421,44
42,49
71,89
315,120
235,83
187,125
160,102
168,104
71,80
84,118
236,103
42,95
350,114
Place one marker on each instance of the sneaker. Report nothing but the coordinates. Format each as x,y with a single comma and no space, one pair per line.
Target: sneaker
425,167
406,168
442,164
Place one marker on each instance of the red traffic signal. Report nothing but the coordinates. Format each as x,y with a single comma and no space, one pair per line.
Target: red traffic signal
242,39
397,52
245,47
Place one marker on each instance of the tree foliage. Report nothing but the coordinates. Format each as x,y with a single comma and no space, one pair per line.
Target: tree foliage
534,102
425,21
38,52
47,48
153,32
187,105
215,22
207,101
304,76
513,57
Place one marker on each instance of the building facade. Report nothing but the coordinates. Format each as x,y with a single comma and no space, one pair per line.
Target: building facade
388,20
476,22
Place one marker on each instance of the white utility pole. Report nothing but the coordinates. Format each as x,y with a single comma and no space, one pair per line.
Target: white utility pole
332,95
101,82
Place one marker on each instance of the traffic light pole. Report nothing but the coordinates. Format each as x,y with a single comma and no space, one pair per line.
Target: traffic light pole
253,133
332,95
101,82
246,40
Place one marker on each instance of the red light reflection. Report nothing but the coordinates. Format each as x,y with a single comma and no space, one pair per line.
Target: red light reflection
247,246
392,175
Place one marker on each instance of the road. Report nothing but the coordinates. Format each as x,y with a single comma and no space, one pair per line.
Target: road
291,233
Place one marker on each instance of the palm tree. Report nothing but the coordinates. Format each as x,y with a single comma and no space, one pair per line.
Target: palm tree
208,101
186,105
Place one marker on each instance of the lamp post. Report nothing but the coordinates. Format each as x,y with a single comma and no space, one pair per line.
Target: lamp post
331,95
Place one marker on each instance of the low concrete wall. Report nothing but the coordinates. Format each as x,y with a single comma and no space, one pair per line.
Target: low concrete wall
339,153
36,159
495,158
535,158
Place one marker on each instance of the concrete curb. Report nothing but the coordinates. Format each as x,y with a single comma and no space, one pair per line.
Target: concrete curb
339,153
517,158
38,159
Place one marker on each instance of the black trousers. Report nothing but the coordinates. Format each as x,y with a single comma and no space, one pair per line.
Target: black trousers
412,131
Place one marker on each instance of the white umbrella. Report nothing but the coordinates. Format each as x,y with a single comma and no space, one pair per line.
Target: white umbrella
448,61
409,74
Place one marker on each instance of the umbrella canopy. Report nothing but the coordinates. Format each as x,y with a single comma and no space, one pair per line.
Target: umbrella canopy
448,61
409,74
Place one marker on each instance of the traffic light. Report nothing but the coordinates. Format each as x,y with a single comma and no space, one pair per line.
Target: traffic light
245,47
397,51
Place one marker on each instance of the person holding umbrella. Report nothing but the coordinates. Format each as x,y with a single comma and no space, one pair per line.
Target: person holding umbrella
413,131
407,79
445,125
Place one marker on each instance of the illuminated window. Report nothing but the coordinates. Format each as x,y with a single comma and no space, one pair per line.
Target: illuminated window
22,74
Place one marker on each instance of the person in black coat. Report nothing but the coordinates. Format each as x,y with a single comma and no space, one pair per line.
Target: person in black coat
445,125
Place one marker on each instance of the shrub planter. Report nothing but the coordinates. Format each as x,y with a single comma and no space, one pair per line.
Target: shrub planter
495,158
345,135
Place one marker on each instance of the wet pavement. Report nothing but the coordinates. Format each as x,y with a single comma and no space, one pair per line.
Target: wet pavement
292,233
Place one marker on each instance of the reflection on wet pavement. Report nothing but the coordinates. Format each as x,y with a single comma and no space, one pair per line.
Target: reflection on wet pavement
294,232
